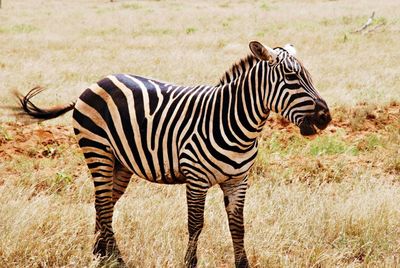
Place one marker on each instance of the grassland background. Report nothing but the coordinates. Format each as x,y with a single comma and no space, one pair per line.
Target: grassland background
330,202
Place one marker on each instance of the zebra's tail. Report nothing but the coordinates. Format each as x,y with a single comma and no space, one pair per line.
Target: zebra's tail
42,114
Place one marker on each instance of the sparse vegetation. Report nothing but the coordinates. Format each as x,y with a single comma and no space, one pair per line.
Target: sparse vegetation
328,202
131,6
190,30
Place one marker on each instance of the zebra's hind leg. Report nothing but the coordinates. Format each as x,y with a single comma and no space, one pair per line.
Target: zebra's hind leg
101,163
234,196
122,176
196,197
112,257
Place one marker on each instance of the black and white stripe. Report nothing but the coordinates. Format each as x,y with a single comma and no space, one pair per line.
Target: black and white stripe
201,136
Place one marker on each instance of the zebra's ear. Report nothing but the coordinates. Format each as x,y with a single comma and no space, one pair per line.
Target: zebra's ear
262,52
290,49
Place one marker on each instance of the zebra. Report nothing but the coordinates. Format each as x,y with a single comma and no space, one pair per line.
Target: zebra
200,136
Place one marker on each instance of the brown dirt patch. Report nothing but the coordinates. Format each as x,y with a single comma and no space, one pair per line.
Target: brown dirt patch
33,140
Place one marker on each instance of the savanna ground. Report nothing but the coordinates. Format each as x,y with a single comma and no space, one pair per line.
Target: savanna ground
333,201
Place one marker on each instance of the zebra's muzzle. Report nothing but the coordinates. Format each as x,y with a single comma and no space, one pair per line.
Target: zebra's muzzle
320,119
322,116
307,128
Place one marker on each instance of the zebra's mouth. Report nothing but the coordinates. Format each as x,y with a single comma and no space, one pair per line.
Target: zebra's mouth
319,120
310,126
307,129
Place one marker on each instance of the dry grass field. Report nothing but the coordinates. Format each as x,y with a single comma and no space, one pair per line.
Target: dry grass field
333,201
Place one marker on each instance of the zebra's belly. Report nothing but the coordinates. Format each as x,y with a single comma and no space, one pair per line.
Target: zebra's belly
167,178
154,170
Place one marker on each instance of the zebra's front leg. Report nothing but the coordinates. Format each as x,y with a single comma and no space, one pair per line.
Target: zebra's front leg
234,196
196,196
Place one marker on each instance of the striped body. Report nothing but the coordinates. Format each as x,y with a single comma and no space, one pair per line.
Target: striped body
200,136
162,132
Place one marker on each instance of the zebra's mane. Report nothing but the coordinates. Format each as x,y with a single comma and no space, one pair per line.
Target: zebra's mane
237,69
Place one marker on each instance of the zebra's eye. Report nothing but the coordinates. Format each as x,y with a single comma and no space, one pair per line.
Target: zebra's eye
291,77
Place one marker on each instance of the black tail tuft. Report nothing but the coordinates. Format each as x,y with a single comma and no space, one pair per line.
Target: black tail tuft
39,113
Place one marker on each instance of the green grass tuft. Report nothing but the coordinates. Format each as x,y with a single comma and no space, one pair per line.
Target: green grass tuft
190,30
330,145
131,6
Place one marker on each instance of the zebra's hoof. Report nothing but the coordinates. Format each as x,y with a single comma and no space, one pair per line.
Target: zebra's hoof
112,261
243,263
100,248
191,263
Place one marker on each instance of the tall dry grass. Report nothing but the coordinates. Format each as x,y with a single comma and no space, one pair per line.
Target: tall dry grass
353,221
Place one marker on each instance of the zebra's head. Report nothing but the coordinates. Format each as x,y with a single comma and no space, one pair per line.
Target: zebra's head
291,90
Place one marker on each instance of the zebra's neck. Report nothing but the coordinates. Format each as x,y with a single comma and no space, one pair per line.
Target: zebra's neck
246,83
238,69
